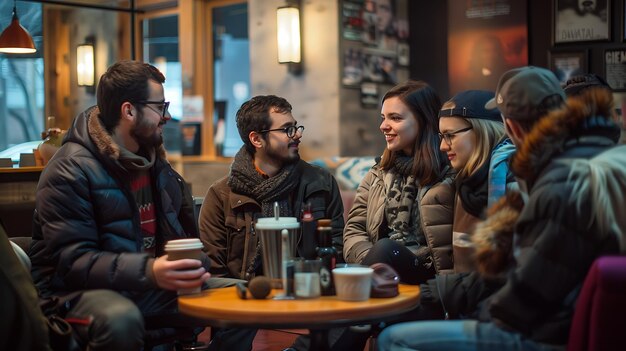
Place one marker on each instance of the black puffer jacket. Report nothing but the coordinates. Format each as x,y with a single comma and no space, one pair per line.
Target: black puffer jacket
569,163
86,231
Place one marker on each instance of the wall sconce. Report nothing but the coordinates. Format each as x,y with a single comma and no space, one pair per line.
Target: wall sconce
86,65
15,39
288,36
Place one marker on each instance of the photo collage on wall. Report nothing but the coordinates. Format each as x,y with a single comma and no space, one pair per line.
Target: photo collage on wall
377,43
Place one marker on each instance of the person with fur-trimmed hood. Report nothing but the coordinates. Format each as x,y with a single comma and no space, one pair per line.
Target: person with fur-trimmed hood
575,176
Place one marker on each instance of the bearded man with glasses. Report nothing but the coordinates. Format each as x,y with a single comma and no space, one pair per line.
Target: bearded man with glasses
265,170
107,202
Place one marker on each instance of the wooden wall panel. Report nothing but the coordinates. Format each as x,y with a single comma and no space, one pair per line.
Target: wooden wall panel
57,66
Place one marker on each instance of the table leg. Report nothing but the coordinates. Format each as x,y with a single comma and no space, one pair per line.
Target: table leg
319,339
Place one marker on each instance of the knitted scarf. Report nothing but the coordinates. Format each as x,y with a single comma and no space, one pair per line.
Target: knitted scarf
402,214
141,187
134,162
245,179
473,190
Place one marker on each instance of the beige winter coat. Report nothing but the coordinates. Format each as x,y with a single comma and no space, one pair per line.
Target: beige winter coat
365,221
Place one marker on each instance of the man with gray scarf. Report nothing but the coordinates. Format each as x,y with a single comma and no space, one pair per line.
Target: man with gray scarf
266,169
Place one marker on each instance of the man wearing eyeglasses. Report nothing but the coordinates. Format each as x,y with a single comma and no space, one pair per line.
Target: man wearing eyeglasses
106,204
266,169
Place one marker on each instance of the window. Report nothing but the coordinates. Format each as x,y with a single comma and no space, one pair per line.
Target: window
161,49
22,81
231,72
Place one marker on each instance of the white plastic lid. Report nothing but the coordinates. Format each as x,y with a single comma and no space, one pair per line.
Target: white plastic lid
183,244
277,224
353,270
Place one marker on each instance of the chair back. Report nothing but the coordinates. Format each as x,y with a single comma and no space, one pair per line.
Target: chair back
599,323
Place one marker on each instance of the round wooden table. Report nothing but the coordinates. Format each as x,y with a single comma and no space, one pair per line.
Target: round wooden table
223,308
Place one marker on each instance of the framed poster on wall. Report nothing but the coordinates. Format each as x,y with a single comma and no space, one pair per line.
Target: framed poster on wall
485,39
579,21
566,64
615,68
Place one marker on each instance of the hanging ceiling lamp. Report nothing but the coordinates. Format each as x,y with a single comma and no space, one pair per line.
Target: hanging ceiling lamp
15,39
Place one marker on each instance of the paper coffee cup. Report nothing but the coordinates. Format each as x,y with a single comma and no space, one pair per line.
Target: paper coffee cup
353,283
185,248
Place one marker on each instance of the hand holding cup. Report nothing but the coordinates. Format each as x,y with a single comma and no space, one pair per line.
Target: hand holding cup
181,269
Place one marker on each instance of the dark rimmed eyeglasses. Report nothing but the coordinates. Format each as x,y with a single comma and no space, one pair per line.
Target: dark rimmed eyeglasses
163,106
290,131
448,136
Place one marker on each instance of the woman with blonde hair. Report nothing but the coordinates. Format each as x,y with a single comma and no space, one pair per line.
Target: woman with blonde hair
477,147
402,214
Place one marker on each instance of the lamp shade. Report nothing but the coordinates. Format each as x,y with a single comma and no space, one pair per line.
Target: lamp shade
288,34
15,39
85,70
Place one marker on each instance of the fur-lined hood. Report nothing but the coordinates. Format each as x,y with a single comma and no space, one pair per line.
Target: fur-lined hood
493,237
589,114
587,117
88,130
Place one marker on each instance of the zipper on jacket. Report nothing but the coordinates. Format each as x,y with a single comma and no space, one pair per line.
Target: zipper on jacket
446,316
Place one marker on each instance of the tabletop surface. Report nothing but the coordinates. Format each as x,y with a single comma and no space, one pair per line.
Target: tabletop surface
224,305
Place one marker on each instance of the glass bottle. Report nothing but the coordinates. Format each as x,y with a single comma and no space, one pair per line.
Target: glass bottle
309,227
328,254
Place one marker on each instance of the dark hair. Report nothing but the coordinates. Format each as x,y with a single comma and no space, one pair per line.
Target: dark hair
254,115
123,81
576,85
425,104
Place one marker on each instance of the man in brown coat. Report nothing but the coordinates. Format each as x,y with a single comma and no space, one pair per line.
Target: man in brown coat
267,169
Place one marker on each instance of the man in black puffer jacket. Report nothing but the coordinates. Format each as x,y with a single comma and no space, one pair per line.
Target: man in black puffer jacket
107,203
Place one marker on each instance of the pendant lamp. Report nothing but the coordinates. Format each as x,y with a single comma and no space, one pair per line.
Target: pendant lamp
15,39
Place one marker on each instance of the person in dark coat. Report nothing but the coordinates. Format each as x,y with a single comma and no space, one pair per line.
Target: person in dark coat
23,325
575,176
106,204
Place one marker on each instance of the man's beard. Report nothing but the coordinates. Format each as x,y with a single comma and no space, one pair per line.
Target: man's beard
140,130
283,159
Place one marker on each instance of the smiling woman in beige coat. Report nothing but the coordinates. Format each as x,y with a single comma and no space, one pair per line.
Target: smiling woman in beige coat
402,214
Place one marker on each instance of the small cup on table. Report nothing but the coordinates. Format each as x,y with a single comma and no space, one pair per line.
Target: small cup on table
353,282
185,248
307,278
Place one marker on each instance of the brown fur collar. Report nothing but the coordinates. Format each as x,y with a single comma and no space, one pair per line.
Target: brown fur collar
493,237
103,140
549,135
100,137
